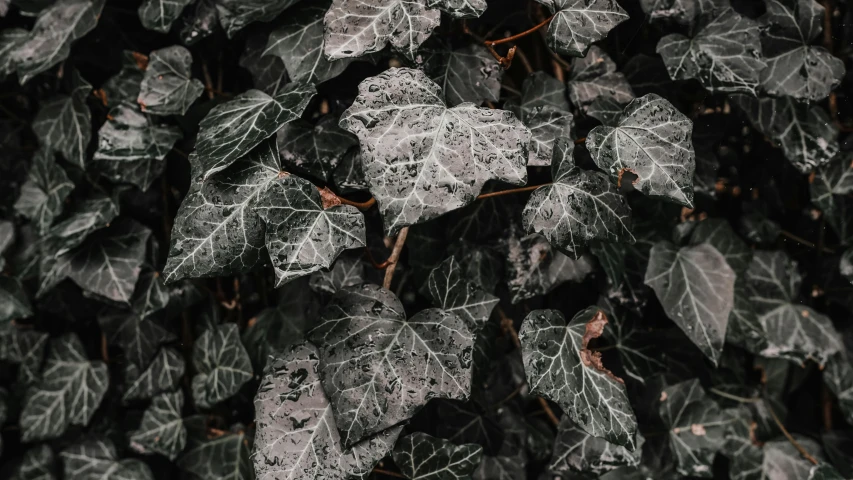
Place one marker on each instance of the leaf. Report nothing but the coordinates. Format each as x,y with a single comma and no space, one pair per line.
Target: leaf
804,132
10,40
534,267
838,377
450,290
637,347
234,15
579,207
401,119
679,12
131,136
162,375
88,217
724,55
349,176
63,124
793,330
579,23
224,455
652,141
539,90
347,271
201,23
14,303
97,459
794,67
695,427
23,347
298,42
606,110
500,468
695,286
837,444
49,41
783,461
824,471
222,364
70,389
216,230
37,464
830,188
168,87
234,128
744,329
420,457
296,436
391,366
44,192
544,110
594,77
138,337
158,15
123,86
314,149
560,367
268,71
719,234
467,74
162,429
575,451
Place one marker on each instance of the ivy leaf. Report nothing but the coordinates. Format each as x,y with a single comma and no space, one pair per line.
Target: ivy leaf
130,136
167,87
539,90
371,390
347,271
606,110
88,217
450,290
70,389
268,71
44,192
579,23
695,286
401,119
534,267
837,444
838,377
594,77
560,367
222,363
303,233
824,471
217,231
794,331
10,40
97,459
14,303
63,124
420,457
795,68
162,375
744,329
679,12
349,176
296,434
652,141
232,129
783,460
500,468
298,42
544,110
695,426
724,55
576,451
23,347
162,429
639,352
314,149
578,207
467,74
224,455
830,188
158,15
805,132
49,41
37,464
234,15
201,23
718,233
123,87
140,338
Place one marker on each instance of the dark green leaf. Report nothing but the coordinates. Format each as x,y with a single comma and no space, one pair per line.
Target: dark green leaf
158,15
450,290
167,87
576,451
44,192
89,216
347,271
594,77
234,15
349,176
201,23
63,124
221,363
97,459
268,72
539,90
24,347
162,375
162,429
123,87
830,191
422,457
314,149
467,74
223,455
14,303
534,267
130,136
577,24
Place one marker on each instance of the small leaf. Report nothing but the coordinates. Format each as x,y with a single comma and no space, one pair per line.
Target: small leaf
162,375
594,77
401,119
544,110
158,15
450,290
371,390
296,436
830,189
560,366
97,459
347,271
167,87
575,451
349,176
421,457
162,429
44,192
539,90
222,364
63,124
123,87
783,460
224,456
201,23
314,149
234,15
467,74
652,141
38,463
130,136
577,24
534,267
268,71
10,40
14,303
70,389
88,217
695,286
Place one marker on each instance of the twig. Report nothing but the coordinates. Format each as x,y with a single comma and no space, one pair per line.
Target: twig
826,399
507,327
508,192
376,265
359,205
788,435
524,61
208,82
827,25
105,354
736,398
395,256
492,43
511,395
167,217
547,409
389,473
805,242
558,70
580,141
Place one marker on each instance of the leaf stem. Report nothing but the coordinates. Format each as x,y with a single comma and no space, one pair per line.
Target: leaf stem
547,409
395,256
388,473
359,205
492,43
104,349
736,398
805,242
788,435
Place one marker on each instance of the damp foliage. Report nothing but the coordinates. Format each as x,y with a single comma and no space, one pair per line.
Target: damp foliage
426,239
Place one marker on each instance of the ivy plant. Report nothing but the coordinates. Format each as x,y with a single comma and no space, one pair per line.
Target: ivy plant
426,239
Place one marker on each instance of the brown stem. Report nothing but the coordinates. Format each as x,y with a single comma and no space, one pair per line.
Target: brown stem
208,82
389,473
826,400
395,256
507,327
805,242
511,395
507,192
788,435
547,409
492,43
105,354
524,61
376,265
827,25
580,141
359,205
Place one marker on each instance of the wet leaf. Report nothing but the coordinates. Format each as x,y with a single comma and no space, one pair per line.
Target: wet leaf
421,457
224,456
221,363
467,74
579,23
576,451
63,124
451,291
317,149
130,136
44,192
167,86
594,77
162,429
347,271
718,233
162,375
158,15
235,15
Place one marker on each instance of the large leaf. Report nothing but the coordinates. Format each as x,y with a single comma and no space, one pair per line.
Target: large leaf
719,234
296,436
234,15
652,140
695,426
534,267
448,153
422,457
298,42
805,132
578,207
347,271
576,451
162,429
70,389
168,87
794,67
158,15
217,231
560,366
577,24
63,124
594,77
793,330
162,375
97,459
49,41
268,71
24,347
467,74
44,192
216,454
14,303
450,290
221,363
695,286
314,149
232,129
390,366
724,55
130,136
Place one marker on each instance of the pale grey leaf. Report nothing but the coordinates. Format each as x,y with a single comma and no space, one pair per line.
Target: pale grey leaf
223,456
44,192
123,87
314,149
450,290
783,461
467,74
539,90
10,40
423,457
63,124
579,23
221,363
89,216
162,375
97,459
719,234
576,451
547,126
167,87
158,15
460,8
162,429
